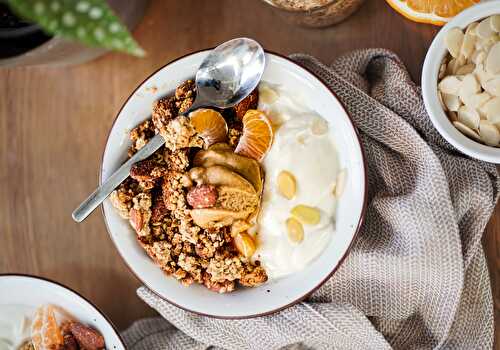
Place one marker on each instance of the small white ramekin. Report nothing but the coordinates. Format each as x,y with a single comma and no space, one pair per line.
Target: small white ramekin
433,60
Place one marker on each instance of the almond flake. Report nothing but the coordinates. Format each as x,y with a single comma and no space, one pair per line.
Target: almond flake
481,75
464,129
492,86
467,69
340,184
491,110
451,102
450,85
476,100
493,59
489,133
453,41
495,23
471,28
478,57
468,45
484,29
469,86
469,117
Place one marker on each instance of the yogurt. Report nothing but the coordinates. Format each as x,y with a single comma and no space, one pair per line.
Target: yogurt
304,147
15,325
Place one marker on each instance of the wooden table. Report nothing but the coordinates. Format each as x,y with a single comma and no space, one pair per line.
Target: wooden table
54,123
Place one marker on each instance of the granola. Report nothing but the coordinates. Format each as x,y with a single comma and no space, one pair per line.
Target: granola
165,199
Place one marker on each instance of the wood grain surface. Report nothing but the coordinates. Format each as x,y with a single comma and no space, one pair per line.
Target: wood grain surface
54,123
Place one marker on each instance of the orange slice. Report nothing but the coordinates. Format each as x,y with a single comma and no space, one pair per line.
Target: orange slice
436,12
257,135
210,125
45,331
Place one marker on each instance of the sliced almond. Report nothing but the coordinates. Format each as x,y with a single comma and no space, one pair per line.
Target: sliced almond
481,75
466,69
492,63
306,214
267,94
340,183
295,230
468,45
489,133
453,41
287,186
469,117
478,57
464,129
484,29
469,86
492,86
495,23
319,126
491,110
476,100
451,102
471,28
450,85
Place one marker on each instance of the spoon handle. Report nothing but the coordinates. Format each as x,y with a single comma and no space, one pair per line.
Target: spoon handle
108,186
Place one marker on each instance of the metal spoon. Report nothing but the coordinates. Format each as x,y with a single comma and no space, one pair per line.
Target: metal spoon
225,77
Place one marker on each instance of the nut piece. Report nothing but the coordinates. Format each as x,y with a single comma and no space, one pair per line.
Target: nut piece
319,126
489,133
147,170
136,219
453,41
306,214
340,184
87,337
202,196
295,230
287,185
245,244
249,102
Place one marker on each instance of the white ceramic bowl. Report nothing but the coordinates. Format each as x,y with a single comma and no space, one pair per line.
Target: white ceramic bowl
276,294
433,60
34,291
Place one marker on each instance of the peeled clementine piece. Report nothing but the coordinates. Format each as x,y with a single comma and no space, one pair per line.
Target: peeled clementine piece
210,125
436,12
45,331
257,135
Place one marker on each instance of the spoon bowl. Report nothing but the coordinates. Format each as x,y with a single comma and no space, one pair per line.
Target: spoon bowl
229,73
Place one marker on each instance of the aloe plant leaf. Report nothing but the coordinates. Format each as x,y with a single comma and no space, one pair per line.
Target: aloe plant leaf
91,22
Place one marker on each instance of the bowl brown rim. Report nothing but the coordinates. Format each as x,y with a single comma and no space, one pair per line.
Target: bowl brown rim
99,311
335,268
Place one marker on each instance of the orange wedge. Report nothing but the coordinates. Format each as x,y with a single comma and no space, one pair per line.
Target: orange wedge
436,12
45,331
257,135
210,125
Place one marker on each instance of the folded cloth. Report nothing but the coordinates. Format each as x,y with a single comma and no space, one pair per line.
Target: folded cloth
416,277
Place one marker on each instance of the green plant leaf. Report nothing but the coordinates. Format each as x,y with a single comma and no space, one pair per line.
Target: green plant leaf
91,22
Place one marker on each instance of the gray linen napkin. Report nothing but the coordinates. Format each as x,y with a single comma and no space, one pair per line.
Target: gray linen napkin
416,277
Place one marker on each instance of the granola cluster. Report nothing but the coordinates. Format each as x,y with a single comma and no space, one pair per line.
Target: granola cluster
155,200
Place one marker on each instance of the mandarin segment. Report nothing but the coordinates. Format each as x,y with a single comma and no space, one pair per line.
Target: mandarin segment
210,125
45,331
257,135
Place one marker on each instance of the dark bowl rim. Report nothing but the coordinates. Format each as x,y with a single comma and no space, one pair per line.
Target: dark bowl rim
99,311
335,268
